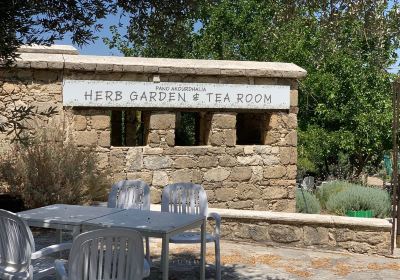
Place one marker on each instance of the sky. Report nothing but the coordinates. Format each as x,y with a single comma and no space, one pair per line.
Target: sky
98,47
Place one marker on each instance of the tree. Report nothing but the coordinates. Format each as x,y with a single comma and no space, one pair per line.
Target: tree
44,21
346,47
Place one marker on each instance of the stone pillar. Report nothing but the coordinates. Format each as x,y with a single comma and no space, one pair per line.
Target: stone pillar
161,129
223,130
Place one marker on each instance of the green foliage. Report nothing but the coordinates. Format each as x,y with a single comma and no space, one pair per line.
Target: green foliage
307,202
360,198
329,189
345,46
44,22
49,171
186,129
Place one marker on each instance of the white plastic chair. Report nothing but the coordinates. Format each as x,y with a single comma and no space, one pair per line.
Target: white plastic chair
188,198
17,249
131,194
308,183
112,253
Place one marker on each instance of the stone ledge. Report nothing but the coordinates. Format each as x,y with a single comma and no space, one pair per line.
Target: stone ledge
159,65
298,218
53,49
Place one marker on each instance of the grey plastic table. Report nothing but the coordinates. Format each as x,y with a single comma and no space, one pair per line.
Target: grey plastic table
148,223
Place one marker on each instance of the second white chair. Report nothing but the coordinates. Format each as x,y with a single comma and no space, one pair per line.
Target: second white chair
188,198
131,194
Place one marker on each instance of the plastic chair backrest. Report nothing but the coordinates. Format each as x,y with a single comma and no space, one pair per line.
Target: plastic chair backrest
184,198
113,254
129,194
308,183
16,243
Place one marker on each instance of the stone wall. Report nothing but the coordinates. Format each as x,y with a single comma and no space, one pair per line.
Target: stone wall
346,234
260,177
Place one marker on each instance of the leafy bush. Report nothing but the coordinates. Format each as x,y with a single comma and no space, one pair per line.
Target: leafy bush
49,171
329,189
306,202
360,198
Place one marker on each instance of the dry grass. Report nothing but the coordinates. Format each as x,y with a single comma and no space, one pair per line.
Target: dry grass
383,266
320,263
297,272
342,269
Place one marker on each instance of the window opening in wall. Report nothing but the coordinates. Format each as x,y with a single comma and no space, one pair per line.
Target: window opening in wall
127,128
187,129
249,128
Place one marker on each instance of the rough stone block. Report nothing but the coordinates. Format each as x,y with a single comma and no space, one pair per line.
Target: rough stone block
342,235
85,138
288,155
230,137
292,121
291,171
153,138
240,204
207,161
294,100
104,139
224,120
277,171
170,138
157,162
224,194
275,193
80,122
144,176
291,138
240,174
249,191
100,122
217,174
182,175
160,178
118,159
155,195
284,233
227,161
315,236
134,159
250,160
248,150
269,159
271,137
184,162
162,120
216,138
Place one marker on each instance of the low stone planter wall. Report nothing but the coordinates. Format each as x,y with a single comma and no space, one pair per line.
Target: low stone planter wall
356,235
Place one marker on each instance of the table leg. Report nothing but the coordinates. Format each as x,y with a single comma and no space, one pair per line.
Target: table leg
203,251
59,240
165,257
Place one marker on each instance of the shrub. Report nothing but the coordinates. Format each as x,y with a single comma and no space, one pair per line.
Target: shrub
306,202
329,189
360,198
49,171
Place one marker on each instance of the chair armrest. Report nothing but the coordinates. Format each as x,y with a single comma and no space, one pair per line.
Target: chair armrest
217,218
60,269
51,249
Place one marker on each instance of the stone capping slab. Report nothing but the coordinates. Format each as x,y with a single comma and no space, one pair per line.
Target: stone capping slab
299,218
53,49
159,65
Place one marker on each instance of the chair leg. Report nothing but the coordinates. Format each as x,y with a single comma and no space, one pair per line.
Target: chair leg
217,260
148,251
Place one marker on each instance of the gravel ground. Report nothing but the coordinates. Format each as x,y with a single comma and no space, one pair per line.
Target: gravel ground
256,262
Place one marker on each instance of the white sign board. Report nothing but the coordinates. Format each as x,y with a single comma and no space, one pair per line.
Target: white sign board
174,95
